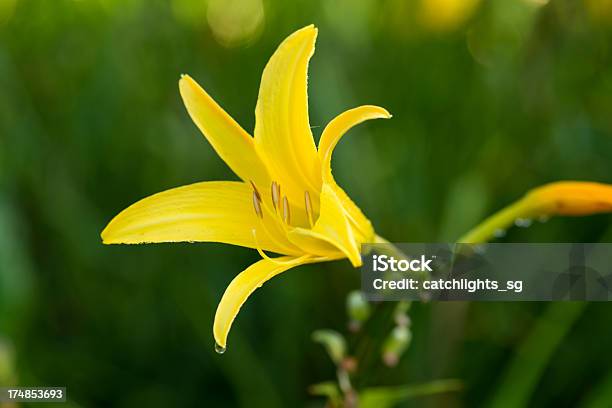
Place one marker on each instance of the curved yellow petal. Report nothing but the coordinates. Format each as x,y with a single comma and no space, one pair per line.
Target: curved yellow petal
330,137
362,227
217,211
241,288
571,198
282,129
341,124
314,243
332,227
232,143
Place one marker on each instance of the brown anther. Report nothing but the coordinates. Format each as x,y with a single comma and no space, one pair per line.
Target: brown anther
257,204
275,195
286,212
308,206
255,191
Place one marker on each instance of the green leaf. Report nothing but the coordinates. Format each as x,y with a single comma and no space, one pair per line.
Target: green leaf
327,389
600,395
387,397
334,343
534,354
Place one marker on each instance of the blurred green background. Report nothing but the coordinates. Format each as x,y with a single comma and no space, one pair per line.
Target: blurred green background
490,99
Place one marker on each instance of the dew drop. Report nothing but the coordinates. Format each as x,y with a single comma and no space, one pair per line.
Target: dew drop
499,233
522,222
219,349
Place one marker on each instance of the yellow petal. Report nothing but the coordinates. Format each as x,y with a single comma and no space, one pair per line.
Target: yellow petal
234,145
241,288
315,243
220,211
332,227
282,129
571,198
341,124
362,227
332,133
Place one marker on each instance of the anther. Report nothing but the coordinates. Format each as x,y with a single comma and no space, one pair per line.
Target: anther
255,191
257,204
308,206
286,212
275,195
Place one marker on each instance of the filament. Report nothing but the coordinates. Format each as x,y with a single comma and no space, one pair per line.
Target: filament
257,205
276,261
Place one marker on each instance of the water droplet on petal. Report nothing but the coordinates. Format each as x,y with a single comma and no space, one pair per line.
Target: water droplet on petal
522,222
499,233
219,349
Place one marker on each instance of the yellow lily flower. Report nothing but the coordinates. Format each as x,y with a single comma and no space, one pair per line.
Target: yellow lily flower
287,202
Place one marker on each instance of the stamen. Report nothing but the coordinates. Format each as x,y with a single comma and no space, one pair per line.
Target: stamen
275,195
286,212
257,204
255,190
308,205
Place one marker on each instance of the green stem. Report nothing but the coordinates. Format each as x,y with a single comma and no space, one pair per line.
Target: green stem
387,397
500,221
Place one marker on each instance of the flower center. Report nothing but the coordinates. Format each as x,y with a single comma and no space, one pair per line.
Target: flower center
280,204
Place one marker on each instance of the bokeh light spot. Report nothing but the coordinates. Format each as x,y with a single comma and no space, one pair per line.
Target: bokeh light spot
190,12
7,8
235,22
446,15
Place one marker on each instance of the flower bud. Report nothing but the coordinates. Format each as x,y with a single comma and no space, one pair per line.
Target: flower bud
358,309
395,345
